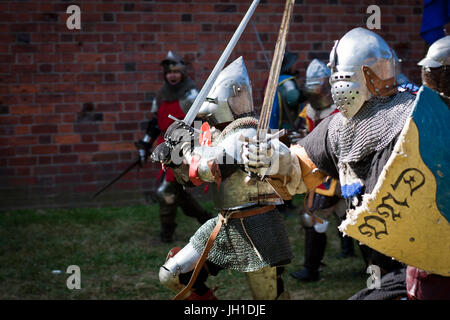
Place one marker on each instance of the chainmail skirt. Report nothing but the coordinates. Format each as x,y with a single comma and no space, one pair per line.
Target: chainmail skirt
233,249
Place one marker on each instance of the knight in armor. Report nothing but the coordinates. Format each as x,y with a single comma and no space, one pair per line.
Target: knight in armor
288,97
325,200
436,70
174,98
352,145
248,235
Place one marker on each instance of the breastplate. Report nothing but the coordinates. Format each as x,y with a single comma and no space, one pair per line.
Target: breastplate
233,193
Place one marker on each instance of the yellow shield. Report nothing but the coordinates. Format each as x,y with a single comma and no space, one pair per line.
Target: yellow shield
407,215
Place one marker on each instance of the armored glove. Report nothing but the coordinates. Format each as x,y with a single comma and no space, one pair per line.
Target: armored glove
162,153
179,139
266,157
143,146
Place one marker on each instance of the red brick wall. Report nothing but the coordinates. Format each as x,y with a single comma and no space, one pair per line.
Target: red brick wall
72,102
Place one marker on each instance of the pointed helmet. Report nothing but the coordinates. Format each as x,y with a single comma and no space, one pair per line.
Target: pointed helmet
317,86
230,97
173,62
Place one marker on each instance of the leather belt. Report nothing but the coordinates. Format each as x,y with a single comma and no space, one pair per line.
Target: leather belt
223,218
247,213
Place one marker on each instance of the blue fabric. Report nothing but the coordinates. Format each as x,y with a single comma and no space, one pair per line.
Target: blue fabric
436,13
327,184
411,87
276,112
351,190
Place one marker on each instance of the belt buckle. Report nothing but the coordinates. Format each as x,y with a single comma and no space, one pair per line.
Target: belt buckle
226,215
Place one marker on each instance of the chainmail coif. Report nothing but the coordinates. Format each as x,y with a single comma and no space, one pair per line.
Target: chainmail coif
376,124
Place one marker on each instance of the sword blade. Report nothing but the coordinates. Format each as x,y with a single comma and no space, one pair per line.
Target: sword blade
261,45
193,111
116,179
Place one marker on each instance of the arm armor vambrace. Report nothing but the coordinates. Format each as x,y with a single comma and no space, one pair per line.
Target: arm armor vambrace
184,261
303,175
154,108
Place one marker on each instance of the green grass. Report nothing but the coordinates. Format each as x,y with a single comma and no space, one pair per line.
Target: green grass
119,254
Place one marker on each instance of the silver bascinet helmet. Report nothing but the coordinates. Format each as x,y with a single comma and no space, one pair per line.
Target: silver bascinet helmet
317,87
363,66
230,97
438,54
435,68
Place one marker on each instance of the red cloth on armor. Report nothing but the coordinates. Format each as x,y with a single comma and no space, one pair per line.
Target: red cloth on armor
193,171
312,124
169,108
165,109
421,285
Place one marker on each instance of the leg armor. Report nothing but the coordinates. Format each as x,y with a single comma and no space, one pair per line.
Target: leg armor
167,198
347,247
315,245
321,227
167,215
167,192
306,220
319,208
266,284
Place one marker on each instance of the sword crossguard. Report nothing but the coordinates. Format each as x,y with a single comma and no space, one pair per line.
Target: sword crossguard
178,120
